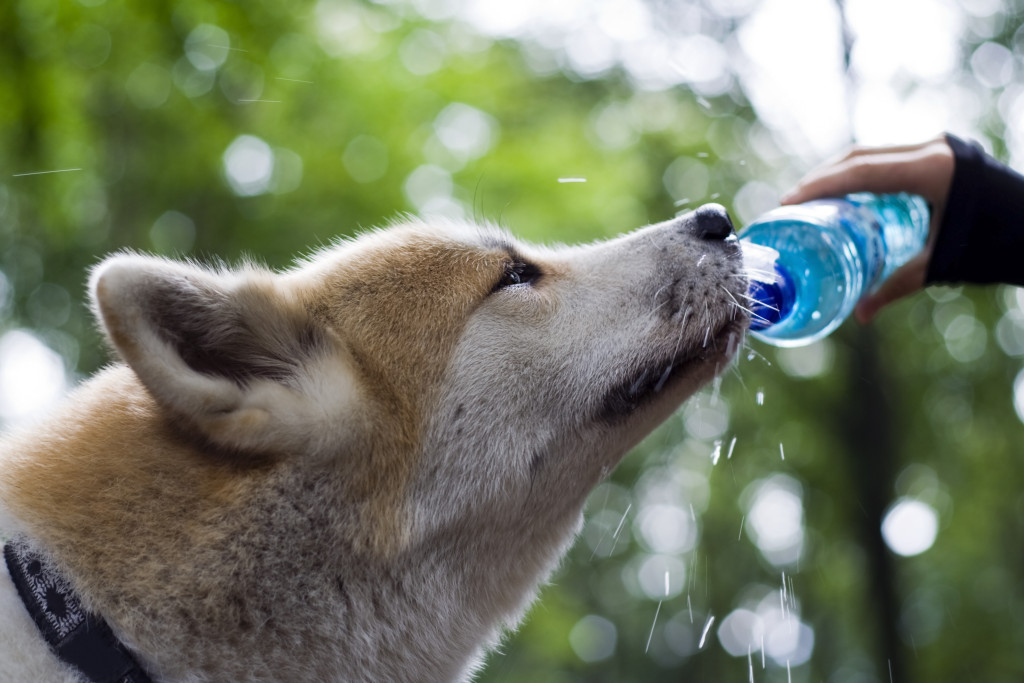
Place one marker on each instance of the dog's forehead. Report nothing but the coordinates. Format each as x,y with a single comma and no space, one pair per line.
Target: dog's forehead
452,248
400,297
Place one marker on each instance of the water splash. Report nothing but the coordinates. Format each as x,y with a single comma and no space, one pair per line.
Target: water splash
716,384
622,521
655,623
59,170
704,633
716,453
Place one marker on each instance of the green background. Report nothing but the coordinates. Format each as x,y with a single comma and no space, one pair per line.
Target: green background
352,100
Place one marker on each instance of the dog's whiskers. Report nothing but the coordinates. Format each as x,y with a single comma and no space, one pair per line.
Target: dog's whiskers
756,300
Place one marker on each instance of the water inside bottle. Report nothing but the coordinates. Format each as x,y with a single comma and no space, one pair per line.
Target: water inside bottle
823,288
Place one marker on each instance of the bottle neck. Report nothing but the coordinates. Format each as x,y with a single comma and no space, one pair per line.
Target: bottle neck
771,298
772,292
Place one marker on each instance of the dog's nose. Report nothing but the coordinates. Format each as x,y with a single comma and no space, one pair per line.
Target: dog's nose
712,222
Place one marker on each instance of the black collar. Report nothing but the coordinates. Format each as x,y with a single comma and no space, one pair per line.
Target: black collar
77,637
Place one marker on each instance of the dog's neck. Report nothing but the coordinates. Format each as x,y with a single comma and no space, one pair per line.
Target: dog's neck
76,636
228,598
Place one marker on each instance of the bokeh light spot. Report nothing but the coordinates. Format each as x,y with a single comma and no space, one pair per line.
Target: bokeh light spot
249,165
910,527
593,638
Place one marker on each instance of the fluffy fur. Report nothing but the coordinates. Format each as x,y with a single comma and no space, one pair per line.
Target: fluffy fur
359,469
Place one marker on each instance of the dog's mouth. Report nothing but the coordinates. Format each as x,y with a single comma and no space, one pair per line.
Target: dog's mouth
650,381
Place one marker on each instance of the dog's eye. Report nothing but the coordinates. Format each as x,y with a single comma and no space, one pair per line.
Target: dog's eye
518,273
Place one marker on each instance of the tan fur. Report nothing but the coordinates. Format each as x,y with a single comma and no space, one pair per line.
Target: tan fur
398,303
358,469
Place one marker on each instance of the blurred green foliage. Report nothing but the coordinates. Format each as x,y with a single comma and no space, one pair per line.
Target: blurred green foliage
345,111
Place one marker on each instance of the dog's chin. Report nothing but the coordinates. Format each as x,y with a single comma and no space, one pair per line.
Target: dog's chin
654,392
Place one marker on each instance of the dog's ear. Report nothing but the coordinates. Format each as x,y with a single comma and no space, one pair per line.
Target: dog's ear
228,352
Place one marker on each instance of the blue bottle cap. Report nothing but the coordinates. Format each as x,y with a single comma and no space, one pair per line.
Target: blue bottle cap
771,299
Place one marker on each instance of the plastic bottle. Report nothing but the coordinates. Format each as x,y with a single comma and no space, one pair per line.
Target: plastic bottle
810,263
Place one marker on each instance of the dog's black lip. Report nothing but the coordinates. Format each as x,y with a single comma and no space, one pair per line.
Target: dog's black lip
626,397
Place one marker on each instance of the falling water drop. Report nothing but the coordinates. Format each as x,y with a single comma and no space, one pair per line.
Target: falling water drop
655,623
704,633
716,453
622,521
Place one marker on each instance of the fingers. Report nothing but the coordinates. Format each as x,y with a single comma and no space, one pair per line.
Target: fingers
880,173
906,280
924,169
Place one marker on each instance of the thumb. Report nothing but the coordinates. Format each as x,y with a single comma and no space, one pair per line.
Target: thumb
907,279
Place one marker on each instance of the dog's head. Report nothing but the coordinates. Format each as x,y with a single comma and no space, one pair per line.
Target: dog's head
457,376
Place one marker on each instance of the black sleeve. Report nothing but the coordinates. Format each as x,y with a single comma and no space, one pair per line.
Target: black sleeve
981,238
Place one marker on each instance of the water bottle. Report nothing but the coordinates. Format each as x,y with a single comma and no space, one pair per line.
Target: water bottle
809,264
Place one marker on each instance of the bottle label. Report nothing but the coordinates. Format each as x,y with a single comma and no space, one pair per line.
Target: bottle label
861,223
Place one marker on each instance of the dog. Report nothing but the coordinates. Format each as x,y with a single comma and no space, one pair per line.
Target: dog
360,468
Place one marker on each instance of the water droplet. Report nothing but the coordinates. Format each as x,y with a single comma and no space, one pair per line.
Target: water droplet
704,633
655,623
716,453
622,521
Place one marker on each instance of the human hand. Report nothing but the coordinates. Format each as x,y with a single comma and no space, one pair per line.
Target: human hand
925,169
